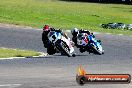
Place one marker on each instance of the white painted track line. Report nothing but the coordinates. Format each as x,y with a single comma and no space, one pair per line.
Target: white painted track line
10,85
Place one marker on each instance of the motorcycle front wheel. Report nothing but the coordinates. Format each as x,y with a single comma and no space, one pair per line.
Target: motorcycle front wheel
96,51
63,47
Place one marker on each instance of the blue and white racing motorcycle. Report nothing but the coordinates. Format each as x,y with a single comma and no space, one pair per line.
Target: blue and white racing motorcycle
87,43
61,43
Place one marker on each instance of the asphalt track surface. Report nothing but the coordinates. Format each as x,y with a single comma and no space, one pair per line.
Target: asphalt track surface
59,71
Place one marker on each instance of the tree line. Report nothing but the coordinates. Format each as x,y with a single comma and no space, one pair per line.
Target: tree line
104,1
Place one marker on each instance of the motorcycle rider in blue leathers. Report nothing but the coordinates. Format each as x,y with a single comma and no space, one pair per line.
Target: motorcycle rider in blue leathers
93,40
91,37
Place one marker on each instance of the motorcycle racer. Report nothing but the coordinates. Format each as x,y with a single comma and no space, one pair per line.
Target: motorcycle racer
75,33
47,44
46,30
86,41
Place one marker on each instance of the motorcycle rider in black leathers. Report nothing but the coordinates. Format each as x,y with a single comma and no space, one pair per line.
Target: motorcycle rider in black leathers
47,44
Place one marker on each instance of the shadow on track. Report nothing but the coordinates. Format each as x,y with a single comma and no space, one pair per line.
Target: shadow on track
41,57
66,56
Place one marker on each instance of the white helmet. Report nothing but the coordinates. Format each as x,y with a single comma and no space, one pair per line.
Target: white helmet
74,30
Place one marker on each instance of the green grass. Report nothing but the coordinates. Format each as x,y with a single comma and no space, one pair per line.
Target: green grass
66,15
5,53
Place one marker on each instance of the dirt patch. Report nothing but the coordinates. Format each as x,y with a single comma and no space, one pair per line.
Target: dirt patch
14,26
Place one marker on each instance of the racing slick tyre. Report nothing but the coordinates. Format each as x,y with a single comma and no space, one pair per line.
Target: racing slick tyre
63,47
74,55
96,51
82,49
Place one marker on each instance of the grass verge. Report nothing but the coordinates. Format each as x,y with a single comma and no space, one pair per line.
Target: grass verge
36,13
6,53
